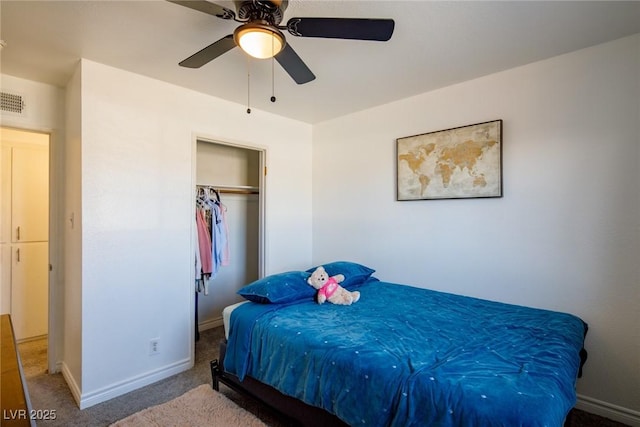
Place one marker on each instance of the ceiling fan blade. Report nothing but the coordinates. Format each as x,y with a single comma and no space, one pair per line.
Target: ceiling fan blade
342,28
294,66
206,7
209,53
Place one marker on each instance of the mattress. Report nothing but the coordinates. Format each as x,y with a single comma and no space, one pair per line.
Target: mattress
226,316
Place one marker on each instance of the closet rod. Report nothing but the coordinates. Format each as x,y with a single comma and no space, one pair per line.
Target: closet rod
232,189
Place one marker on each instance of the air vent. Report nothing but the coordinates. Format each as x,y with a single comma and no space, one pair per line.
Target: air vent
11,103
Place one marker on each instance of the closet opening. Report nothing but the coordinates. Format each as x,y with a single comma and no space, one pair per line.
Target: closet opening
229,187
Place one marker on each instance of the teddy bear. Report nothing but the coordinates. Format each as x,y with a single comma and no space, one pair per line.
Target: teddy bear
329,288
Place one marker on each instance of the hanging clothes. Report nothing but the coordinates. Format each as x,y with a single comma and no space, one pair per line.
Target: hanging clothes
212,250
219,239
198,262
225,232
204,242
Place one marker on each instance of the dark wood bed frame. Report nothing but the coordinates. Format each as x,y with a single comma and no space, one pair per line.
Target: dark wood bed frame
296,411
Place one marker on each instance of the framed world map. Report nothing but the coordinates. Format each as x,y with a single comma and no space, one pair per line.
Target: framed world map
463,162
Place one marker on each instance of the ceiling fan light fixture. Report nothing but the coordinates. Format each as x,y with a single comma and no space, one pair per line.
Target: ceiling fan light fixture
259,40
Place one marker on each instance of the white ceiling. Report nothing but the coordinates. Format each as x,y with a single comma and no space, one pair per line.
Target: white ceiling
435,44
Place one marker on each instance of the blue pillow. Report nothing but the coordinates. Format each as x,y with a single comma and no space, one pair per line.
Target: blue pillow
279,288
355,274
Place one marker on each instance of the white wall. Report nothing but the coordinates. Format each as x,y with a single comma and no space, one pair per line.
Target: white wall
565,236
137,205
43,106
228,165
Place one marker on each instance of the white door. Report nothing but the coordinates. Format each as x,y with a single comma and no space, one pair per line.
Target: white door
29,289
5,228
5,192
30,194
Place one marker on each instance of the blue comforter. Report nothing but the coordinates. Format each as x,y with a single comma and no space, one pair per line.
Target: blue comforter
406,356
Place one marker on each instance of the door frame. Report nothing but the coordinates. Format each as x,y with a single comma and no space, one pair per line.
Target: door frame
53,327
262,172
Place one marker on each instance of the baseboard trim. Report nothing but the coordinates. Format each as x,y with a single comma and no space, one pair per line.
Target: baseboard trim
71,382
608,410
210,323
134,383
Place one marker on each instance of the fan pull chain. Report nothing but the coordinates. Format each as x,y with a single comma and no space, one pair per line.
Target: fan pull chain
273,85
248,85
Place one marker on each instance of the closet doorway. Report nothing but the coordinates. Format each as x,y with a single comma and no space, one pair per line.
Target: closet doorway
236,173
24,231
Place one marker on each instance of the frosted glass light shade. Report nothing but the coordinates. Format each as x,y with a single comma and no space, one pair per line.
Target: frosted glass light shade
259,41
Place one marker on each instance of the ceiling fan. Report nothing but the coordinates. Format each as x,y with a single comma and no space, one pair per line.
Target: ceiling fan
260,34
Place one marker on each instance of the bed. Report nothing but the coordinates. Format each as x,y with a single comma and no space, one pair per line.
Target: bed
401,356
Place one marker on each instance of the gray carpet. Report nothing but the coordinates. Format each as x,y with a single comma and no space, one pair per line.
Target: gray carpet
51,391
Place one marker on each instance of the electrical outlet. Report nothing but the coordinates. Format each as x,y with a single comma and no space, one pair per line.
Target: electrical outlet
154,346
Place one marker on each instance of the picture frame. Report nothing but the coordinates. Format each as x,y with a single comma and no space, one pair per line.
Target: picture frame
457,163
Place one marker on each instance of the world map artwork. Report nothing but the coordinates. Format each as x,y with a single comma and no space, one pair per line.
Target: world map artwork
454,163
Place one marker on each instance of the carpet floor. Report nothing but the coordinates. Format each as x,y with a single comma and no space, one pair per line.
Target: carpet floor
201,406
50,392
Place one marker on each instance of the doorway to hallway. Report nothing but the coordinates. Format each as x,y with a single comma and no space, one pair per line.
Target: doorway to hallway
24,231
